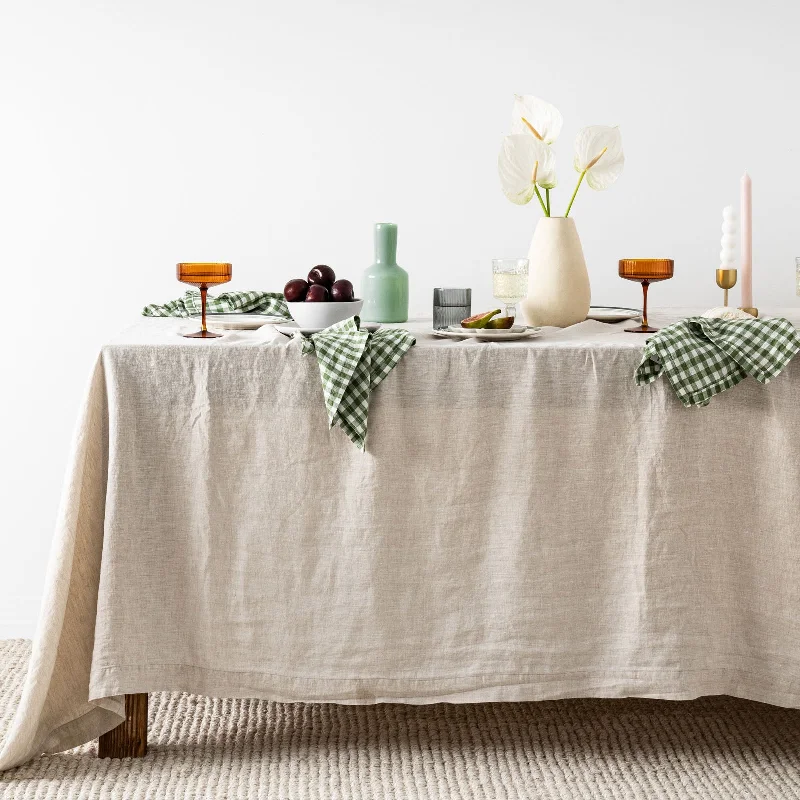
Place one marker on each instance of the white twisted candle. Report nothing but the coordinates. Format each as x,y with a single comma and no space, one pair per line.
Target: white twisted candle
727,255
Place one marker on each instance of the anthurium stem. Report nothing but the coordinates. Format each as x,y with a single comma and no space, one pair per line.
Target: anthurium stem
547,200
541,202
572,199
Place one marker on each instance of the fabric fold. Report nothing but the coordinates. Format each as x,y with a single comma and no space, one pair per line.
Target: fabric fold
55,711
702,357
226,303
352,362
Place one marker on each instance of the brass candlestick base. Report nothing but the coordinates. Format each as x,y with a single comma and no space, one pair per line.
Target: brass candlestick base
726,279
753,312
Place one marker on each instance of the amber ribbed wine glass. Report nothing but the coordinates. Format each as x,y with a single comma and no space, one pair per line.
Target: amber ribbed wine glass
203,274
645,271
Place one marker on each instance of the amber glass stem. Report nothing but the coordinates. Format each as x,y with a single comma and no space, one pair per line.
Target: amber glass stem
203,293
645,284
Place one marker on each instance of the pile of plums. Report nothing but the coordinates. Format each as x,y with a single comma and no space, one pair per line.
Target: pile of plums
321,286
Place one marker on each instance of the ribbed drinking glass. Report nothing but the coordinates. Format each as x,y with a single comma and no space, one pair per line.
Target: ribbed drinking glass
203,274
645,271
450,306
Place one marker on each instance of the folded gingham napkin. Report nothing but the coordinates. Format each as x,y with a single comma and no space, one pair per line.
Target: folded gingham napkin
189,305
352,362
702,357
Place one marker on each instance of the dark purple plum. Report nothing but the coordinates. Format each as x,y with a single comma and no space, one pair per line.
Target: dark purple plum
342,291
316,294
295,290
322,275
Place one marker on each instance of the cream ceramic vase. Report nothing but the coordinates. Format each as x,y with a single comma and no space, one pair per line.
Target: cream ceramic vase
558,283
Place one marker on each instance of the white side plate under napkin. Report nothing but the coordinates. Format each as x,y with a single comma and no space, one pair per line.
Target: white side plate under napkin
291,328
612,313
239,322
490,335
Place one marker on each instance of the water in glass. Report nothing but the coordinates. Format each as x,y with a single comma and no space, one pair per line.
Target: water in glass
510,282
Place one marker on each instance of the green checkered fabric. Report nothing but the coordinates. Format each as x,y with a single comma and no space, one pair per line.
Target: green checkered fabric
352,363
702,357
189,305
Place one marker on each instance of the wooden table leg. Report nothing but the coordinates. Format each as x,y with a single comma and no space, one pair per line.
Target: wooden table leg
129,739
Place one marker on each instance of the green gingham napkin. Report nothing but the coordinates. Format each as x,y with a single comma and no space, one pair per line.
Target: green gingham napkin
702,356
189,305
352,363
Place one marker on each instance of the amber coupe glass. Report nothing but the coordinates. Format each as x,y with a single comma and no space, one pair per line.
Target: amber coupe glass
203,274
645,271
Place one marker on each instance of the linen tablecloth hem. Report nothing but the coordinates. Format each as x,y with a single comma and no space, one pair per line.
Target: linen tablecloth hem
109,713
658,684
103,717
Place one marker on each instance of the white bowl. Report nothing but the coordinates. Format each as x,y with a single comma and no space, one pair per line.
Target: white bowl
323,315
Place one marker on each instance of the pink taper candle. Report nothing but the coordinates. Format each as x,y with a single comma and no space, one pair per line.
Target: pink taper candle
746,271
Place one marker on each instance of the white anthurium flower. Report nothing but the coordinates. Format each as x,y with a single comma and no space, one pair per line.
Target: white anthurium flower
598,154
525,162
598,158
535,116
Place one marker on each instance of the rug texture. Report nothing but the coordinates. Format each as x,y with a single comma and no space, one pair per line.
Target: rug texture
209,748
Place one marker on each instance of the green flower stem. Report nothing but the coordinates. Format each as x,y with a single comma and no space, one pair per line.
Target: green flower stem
541,202
572,199
547,200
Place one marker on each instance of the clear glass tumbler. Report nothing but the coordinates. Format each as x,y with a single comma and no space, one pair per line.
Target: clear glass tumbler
450,306
510,282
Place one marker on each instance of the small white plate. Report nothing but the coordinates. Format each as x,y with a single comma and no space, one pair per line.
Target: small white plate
240,322
483,335
291,328
612,313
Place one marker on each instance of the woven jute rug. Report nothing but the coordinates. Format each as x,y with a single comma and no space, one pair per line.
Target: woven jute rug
209,748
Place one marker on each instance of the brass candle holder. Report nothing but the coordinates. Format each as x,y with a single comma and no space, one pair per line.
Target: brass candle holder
726,279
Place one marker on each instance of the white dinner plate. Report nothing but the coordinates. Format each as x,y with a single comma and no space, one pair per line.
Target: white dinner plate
291,328
239,322
612,313
484,335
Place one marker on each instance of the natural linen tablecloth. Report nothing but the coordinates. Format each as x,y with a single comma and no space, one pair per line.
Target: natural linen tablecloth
527,524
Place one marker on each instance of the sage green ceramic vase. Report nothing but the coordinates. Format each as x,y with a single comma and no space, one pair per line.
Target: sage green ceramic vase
384,287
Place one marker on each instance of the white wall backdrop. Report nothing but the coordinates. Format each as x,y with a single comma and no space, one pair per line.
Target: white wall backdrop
137,134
